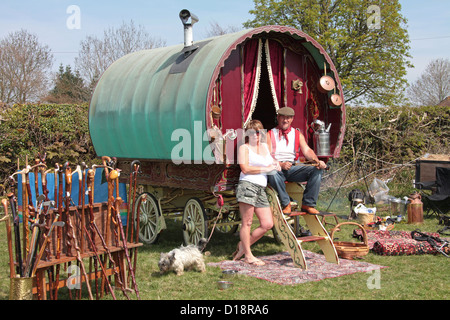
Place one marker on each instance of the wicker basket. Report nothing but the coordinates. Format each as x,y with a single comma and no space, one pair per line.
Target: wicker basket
350,250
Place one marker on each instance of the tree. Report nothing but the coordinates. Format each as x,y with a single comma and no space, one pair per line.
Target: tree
371,58
216,30
433,85
24,67
69,88
96,54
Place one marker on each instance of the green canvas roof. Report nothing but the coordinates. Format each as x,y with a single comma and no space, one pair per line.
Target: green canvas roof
143,97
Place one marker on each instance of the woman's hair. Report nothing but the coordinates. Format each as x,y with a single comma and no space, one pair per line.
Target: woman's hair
255,125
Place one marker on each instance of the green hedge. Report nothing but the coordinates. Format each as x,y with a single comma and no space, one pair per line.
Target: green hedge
396,134
60,131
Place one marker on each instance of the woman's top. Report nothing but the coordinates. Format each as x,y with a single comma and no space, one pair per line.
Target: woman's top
257,160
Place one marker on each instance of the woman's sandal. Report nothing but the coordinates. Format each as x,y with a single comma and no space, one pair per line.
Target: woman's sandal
238,253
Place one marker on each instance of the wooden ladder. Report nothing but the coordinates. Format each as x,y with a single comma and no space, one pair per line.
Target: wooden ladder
287,235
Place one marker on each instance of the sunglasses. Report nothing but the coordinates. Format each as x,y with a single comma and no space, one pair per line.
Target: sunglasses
251,131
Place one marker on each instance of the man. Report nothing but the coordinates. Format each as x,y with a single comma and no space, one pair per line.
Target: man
286,142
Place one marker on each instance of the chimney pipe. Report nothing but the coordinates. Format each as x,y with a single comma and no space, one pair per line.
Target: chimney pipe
188,19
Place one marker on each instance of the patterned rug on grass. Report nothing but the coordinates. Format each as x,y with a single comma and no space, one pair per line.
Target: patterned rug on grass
280,269
397,243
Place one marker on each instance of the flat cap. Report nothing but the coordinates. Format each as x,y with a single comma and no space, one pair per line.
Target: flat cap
286,111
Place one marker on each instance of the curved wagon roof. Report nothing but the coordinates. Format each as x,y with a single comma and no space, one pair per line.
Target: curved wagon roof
143,97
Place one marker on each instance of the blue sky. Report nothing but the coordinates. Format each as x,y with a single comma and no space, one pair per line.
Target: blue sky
428,22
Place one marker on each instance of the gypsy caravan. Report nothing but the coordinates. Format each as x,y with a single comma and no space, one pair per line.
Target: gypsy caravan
180,112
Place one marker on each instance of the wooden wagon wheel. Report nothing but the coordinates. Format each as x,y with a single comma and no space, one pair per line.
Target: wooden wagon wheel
149,214
195,224
229,217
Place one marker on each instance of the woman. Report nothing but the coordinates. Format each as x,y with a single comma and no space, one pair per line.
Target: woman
255,162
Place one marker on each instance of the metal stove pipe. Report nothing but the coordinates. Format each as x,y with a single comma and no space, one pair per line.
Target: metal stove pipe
188,19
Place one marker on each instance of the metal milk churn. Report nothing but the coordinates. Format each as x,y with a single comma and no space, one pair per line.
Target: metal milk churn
321,138
415,208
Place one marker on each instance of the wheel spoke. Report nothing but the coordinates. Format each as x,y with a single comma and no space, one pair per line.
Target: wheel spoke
149,230
194,221
148,211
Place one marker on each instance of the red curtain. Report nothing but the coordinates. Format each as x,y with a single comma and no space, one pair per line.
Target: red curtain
252,72
252,56
275,54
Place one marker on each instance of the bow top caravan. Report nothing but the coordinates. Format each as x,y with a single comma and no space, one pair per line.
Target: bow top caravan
180,111
147,101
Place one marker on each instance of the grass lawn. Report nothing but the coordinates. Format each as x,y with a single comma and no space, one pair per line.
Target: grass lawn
419,277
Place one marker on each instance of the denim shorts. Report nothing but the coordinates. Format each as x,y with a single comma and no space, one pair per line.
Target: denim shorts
252,194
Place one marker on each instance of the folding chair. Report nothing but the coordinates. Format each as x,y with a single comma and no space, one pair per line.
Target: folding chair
439,201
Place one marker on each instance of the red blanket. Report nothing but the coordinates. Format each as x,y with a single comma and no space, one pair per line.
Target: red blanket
395,243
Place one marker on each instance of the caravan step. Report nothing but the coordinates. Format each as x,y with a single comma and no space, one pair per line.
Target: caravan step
286,231
311,238
296,213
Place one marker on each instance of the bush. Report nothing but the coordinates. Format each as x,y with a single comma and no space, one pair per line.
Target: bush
59,131
385,142
396,134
